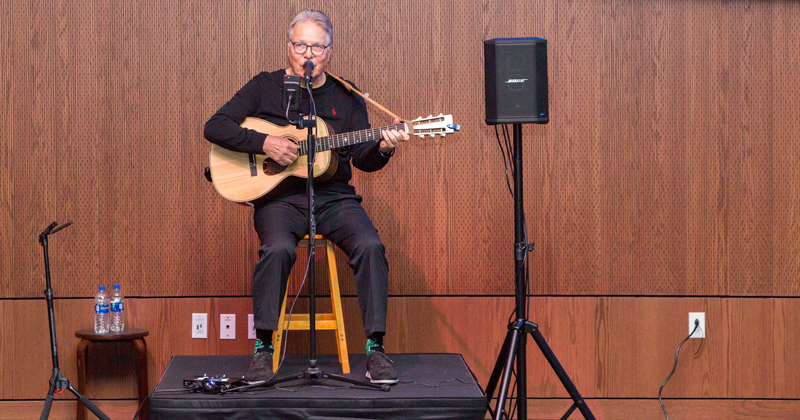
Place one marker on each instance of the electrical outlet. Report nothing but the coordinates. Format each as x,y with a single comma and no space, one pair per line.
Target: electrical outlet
199,325
251,327
227,327
701,330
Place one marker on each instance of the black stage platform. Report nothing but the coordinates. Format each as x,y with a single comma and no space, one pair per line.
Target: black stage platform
432,386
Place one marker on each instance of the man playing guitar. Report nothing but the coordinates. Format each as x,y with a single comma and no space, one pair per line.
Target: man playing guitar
281,220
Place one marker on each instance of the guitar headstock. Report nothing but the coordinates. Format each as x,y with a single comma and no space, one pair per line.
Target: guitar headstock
440,125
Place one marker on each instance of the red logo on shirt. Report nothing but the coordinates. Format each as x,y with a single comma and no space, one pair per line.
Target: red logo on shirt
333,111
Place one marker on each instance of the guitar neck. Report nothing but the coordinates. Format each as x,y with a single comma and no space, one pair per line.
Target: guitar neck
348,139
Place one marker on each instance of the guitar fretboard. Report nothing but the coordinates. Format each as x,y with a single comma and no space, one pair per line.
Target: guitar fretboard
348,139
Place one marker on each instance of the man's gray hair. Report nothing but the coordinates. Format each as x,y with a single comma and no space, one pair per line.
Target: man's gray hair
316,16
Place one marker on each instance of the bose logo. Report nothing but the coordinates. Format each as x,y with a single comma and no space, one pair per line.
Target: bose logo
516,80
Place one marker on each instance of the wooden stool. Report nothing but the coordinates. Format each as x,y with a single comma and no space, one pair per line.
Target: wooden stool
135,335
328,321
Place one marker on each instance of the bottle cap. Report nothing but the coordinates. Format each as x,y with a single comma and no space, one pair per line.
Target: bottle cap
116,286
102,288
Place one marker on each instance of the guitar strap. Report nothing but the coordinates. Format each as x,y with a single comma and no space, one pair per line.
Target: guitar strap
350,88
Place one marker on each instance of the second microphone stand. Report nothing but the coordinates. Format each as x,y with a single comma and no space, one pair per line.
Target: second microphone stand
58,382
312,372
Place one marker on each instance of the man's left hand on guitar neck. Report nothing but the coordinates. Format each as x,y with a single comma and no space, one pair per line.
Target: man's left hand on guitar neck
392,139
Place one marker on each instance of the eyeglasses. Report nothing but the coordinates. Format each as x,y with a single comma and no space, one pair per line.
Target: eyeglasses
301,48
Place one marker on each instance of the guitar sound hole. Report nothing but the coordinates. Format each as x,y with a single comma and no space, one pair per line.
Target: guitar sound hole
272,168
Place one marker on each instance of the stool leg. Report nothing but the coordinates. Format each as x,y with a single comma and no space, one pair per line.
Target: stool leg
141,374
81,413
336,303
277,336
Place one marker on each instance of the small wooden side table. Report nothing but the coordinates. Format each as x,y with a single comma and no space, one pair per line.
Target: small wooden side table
135,335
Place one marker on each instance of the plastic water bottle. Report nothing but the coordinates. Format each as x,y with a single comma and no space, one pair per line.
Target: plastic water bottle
101,311
117,310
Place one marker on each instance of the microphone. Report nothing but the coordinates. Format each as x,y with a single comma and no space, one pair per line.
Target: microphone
291,92
61,227
308,66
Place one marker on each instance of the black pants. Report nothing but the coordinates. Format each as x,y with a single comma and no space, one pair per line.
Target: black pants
281,224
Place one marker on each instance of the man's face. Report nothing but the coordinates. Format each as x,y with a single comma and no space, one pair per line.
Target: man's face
308,33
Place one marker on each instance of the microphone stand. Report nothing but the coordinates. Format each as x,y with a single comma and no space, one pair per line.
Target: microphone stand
58,382
312,372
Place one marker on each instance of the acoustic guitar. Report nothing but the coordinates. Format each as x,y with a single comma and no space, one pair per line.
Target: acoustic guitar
244,177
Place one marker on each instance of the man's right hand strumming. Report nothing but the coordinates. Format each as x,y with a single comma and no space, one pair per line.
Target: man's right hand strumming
281,150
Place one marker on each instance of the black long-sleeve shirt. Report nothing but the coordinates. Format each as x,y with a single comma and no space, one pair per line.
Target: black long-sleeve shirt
261,97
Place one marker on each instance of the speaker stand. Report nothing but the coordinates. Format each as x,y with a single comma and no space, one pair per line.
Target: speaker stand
514,345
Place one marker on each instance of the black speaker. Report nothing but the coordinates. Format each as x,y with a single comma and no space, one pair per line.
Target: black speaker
516,80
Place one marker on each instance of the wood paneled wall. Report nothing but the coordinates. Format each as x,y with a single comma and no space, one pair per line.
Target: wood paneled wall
668,174
668,167
611,347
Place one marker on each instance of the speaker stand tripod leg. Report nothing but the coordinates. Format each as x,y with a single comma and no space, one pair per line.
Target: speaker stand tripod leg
577,400
509,353
498,368
505,362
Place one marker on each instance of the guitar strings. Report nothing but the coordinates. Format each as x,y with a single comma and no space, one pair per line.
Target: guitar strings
347,139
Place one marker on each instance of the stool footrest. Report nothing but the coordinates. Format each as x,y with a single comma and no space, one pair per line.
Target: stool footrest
303,322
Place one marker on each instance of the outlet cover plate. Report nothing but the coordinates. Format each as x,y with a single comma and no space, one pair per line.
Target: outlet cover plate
199,325
251,327
227,326
701,331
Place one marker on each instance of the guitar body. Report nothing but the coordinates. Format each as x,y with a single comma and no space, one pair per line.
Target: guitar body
243,177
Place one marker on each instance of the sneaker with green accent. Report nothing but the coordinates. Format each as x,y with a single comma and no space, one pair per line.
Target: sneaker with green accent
380,369
260,367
